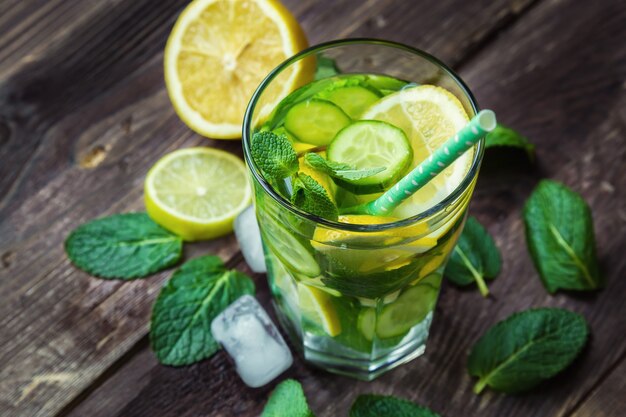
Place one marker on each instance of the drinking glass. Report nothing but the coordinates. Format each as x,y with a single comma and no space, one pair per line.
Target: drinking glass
357,299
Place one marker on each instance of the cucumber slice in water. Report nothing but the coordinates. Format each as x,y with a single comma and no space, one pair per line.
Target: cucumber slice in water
367,322
309,91
289,249
316,121
370,144
409,309
352,99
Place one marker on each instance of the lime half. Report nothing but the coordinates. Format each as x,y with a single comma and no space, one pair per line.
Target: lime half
197,192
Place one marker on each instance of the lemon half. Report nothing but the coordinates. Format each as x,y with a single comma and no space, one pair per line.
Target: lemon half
218,53
429,115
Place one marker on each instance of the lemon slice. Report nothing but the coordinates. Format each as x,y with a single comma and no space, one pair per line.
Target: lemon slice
390,237
429,115
218,53
318,307
368,252
197,192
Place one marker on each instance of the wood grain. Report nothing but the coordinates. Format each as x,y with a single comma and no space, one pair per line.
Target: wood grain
84,114
535,92
607,399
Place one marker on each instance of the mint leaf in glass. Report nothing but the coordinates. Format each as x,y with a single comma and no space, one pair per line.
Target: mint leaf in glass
274,155
187,304
287,400
528,347
474,258
504,136
560,237
339,170
387,406
123,246
311,197
326,67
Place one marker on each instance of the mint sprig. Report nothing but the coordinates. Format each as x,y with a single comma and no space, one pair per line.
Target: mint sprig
505,136
311,197
326,67
278,161
123,246
187,304
274,155
561,240
388,406
287,400
474,258
528,347
339,170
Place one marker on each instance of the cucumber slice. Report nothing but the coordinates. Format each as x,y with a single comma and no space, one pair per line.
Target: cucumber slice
316,121
288,249
369,144
352,99
309,91
366,323
409,309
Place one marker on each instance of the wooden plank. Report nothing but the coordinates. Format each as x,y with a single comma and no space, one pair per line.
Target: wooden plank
532,76
92,85
607,399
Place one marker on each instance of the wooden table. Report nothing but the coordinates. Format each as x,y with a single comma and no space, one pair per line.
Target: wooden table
84,114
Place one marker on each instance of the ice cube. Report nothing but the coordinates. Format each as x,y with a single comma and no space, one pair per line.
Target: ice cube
249,238
250,337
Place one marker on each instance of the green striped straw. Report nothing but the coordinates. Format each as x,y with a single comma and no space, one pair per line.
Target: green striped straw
481,124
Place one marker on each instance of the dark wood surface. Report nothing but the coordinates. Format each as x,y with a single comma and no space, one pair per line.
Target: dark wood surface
84,114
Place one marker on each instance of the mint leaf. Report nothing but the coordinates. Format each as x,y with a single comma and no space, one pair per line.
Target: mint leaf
339,170
560,237
504,136
274,155
326,67
311,197
187,304
528,347
474,258
387,406
287,400
123,246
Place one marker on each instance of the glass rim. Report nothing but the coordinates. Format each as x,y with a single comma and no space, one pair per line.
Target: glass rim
451,197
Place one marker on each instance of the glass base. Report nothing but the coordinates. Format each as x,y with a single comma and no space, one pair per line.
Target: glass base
323,353
365,370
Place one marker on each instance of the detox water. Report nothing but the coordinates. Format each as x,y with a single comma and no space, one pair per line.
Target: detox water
357,293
